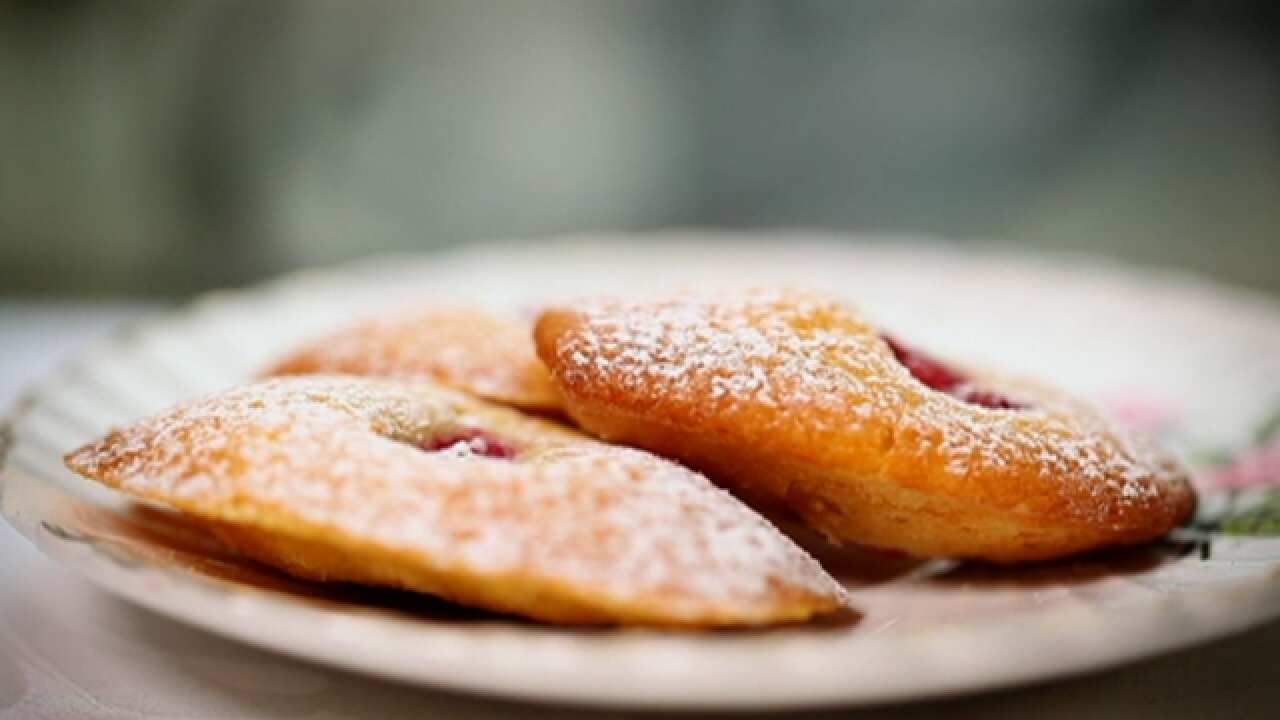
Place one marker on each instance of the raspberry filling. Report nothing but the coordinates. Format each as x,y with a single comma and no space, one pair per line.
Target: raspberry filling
469,442
943,378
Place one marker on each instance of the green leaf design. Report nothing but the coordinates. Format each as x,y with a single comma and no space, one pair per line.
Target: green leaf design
1268,429
1209,458
1261,519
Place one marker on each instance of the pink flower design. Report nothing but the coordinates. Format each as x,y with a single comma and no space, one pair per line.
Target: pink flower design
1255,467
1144,413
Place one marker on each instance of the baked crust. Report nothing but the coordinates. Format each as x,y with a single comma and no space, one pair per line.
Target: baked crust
326,478
794,402
467,349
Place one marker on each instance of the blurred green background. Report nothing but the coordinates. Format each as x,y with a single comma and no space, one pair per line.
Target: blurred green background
160,148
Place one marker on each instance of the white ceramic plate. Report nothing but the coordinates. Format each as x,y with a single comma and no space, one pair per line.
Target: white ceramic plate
1197,363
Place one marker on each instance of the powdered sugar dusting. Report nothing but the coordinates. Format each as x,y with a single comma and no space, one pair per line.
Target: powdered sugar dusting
341,453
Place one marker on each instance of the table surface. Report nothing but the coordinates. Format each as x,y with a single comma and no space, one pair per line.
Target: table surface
69,650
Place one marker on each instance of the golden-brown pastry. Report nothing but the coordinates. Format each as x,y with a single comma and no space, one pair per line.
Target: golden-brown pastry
796,402
464,348
418,487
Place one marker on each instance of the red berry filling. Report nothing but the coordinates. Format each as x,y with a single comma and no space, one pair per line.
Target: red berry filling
473,441
943,378
924,368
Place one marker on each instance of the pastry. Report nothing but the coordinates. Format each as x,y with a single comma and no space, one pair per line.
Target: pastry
414,486
800,405
464,348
